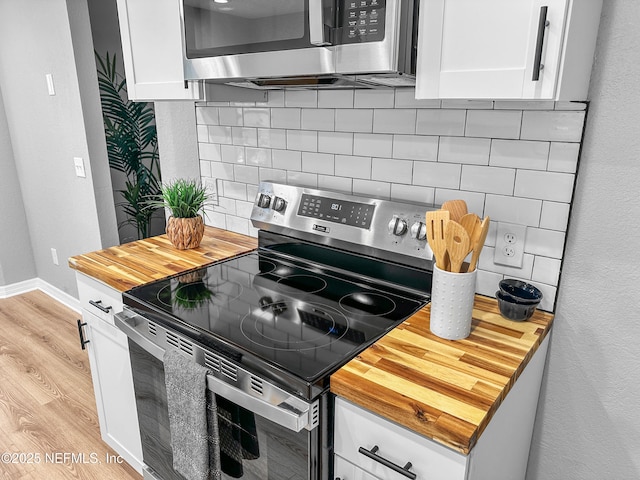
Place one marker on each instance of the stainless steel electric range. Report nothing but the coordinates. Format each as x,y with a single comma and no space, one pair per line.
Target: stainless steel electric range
332,274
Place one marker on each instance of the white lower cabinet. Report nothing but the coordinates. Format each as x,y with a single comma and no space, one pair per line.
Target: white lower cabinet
110,369
370,447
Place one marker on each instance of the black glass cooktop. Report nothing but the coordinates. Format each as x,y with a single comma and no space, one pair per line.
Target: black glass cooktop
300,317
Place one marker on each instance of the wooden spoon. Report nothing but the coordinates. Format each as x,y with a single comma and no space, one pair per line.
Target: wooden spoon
457,209
437,221
478,243
458,244
470,222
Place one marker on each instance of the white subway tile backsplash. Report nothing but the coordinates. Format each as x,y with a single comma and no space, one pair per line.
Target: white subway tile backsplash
415,147
548,243
399,120
487,179
519,154
371,188
246,136
285,117
436,174
209,151
546,270
464,150
412,193
441,122
354,167
354,120
563,157
323,163
245,174
556,126
395,171
493,123
286,159
207,116
272,138
273,174
260,157
335,142
235,190
231,116
301,98
322,119
335,98
232,154
523,211
342,184
374,98
514,161
406,98
257,117
220,134
302,178
557,187
372,145
555,216
305,140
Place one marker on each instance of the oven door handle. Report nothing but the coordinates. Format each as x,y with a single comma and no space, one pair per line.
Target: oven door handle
276,405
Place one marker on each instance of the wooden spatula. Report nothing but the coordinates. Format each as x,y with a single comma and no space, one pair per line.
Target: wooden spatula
436,222
478,243
458,244
457,209
471,222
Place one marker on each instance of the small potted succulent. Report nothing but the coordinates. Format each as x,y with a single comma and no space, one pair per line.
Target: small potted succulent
185,199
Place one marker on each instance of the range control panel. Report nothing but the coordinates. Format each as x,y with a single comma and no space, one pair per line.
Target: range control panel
373,224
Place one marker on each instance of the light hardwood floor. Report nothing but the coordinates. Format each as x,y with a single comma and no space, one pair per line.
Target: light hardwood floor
48,421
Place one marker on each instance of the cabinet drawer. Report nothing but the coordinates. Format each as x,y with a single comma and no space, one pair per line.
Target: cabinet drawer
344,470
98,298
356,427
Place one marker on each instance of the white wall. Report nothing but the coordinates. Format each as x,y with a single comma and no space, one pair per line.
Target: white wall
62,211
588,425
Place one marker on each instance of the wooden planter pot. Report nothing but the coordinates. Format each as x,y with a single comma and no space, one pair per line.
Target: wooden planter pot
185,233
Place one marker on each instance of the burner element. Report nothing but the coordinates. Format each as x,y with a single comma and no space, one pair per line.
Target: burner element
301,283
375,304
294,327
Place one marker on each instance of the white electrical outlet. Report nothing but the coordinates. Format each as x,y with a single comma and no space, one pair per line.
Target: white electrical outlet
54,256
79,164
510,239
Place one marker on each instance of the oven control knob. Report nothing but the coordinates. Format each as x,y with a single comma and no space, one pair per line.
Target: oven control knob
397,226
419,231
264,200
279,204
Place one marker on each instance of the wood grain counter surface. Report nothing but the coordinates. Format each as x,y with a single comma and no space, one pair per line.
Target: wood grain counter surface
132,264
445,390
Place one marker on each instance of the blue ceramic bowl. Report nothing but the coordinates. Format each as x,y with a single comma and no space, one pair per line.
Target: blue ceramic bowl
520,292
513,310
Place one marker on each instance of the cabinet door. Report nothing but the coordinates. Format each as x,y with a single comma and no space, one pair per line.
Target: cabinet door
487,49
344,470
152,50
113,386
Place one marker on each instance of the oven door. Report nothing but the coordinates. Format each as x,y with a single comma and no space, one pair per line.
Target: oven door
258,440
253,39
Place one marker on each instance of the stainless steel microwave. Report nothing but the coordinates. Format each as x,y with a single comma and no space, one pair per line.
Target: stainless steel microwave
300,43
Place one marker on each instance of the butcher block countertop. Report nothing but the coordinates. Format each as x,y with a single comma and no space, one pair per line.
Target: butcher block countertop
132,264
445,390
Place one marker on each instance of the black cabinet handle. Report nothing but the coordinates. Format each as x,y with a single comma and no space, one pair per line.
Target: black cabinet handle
83,342
98,305
372,454
542,25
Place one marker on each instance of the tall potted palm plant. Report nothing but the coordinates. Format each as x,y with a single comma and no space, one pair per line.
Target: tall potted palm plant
132,145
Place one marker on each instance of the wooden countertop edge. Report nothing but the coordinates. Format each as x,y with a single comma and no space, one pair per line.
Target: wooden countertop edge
125,266
452,432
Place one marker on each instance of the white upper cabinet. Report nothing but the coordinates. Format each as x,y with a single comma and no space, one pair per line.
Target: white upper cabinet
506,49
152,50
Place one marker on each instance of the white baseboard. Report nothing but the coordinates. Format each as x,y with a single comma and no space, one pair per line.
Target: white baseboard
39,284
